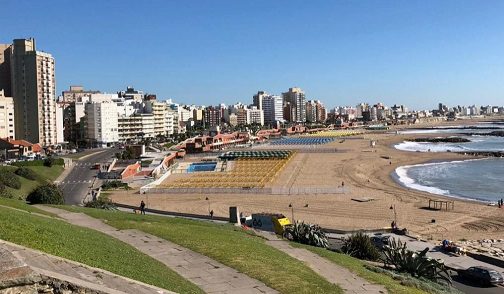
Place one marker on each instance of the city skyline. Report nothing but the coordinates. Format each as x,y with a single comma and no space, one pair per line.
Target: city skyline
413,53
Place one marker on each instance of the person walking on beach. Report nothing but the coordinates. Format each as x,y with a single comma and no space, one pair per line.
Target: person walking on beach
142,207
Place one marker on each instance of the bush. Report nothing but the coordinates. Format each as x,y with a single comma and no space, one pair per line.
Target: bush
359,245
46,194
49,161
55,161
306,234
101,203
4,193
9,179
419,283
416,264
109,185
26,173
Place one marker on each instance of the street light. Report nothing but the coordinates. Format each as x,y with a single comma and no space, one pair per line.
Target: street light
207,199
292,211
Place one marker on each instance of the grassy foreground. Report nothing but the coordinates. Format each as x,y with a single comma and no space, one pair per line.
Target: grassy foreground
44,174
89,247
21,205
227,244
357,266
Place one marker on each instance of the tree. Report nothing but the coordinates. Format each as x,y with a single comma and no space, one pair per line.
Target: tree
46,194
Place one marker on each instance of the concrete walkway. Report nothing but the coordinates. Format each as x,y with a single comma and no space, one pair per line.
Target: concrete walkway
341,276
23,266
210,275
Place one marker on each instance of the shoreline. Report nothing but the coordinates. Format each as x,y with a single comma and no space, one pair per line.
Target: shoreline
397,178
366,173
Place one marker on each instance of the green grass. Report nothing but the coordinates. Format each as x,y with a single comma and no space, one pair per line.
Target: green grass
357,266
44,174
227,244
89,247
22,205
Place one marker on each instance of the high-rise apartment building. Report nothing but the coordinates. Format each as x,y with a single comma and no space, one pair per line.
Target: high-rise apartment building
273,109
5,69
212,116
296,100
258,99
102,123
6,117
71,127
33,90
315,112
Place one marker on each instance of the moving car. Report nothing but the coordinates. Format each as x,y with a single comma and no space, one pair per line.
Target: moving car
482,275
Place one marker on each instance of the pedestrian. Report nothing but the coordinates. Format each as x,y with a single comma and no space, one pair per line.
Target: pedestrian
342,184
211,214
142,207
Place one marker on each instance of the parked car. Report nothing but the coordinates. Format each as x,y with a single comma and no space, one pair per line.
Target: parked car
482,275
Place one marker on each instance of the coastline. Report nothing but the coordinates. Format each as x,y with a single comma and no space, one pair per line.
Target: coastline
367,174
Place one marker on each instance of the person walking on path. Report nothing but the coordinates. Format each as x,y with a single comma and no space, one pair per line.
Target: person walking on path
142,207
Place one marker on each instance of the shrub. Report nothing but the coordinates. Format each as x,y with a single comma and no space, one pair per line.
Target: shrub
26,173
109,185
101,203
46,194
419,283
40,162
4,193
9,179
359,245
49,161
306,234
416,264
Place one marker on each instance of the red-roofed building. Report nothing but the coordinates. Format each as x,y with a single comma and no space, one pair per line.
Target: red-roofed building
13,149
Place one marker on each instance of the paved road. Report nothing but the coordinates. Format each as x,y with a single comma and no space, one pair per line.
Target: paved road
470,288
76,184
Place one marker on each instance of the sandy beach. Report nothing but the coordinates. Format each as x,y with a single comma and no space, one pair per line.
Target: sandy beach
366,172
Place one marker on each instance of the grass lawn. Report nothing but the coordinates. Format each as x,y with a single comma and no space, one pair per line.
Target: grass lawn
21,204
89,247
357,266
227,244
44,174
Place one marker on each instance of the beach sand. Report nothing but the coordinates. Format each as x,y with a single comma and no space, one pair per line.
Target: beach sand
366,172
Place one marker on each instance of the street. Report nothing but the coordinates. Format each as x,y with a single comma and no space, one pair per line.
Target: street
470,288
76,184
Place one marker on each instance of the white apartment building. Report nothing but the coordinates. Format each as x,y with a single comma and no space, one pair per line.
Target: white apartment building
60,107
102,123
255,116
272,109
7,127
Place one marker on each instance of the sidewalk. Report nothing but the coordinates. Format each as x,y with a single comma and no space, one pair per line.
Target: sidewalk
25,266
210,275
341,276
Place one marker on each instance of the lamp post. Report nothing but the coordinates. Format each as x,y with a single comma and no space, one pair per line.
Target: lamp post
208,200
292,211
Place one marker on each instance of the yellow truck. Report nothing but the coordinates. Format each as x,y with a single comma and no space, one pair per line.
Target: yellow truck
273,222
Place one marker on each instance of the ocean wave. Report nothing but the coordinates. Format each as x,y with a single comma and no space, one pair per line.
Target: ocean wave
429,147
404,179
402,175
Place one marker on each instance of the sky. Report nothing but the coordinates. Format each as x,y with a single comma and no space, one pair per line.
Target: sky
417,53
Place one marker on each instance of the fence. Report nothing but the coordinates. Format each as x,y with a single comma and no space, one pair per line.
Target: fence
245,190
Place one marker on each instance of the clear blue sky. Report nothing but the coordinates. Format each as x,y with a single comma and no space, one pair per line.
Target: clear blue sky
205,52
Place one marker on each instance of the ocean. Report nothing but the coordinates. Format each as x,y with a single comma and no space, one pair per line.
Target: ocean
480,179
